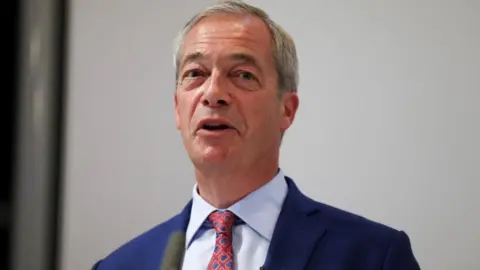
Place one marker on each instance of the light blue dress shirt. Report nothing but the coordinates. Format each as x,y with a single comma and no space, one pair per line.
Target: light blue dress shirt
258,212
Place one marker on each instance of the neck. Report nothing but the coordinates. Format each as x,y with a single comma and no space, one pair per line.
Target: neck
224,187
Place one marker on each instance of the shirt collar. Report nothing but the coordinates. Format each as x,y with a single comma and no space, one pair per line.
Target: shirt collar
259,209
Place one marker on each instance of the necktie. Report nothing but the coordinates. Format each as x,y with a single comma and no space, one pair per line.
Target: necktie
222,258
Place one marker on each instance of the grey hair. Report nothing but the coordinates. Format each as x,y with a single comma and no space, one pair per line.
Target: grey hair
283,49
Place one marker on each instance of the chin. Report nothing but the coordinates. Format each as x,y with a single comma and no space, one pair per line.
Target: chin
211,155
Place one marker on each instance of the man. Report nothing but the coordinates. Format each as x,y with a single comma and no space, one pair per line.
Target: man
236,95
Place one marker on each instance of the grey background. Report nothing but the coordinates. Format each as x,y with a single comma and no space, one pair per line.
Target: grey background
388,125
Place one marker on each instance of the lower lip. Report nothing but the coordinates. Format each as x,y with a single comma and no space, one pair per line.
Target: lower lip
213,133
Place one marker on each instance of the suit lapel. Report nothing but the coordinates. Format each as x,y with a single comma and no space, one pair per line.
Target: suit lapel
297,232
180,221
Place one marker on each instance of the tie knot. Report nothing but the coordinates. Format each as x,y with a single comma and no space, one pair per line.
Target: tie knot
222,221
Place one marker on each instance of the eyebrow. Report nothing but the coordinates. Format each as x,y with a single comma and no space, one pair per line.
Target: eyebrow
241,57
193,57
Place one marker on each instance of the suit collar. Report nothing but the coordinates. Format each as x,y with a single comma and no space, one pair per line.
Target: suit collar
257,209
297,232
180,221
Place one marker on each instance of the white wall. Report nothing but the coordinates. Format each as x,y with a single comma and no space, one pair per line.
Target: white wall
388,126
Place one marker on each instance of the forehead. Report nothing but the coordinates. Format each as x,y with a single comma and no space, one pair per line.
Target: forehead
221,35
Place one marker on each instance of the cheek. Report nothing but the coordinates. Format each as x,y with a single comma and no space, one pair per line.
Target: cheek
186,109
264,116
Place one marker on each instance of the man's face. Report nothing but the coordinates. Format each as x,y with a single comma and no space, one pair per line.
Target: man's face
226,102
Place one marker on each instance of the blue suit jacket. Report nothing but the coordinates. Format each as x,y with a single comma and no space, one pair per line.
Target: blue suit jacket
308,235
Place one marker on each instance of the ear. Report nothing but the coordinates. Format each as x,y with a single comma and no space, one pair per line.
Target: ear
289,104
177,115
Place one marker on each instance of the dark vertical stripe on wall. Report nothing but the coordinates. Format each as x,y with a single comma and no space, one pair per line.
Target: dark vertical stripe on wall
62,82
39,134
9,88
62,70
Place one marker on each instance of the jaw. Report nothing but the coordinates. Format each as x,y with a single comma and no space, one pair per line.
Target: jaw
215,154
211,154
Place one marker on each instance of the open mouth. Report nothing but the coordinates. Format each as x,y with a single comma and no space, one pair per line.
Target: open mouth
215,127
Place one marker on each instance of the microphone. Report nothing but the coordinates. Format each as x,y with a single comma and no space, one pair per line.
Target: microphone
173,255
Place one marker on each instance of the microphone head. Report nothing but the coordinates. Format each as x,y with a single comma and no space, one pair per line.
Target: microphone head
173,255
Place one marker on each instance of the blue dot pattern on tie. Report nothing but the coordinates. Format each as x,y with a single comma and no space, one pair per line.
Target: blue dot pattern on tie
222,258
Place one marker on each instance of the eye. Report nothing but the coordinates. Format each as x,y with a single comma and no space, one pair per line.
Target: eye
246,75
193,73
192,78
246,80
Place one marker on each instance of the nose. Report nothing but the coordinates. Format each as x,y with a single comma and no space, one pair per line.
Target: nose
216,93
